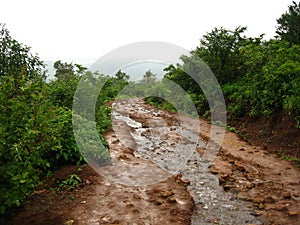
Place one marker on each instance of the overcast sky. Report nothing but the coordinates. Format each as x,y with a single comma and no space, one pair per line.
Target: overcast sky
85,30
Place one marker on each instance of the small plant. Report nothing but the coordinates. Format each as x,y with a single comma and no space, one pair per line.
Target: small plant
284,156
72,197
71,183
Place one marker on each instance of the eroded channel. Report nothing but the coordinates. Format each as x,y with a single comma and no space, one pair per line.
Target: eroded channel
172,148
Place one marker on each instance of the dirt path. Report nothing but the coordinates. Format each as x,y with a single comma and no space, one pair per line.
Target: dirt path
146,186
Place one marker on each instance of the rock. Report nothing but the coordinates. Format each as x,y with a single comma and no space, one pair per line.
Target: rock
287,195
261,206
159,202
242,195
187,182
294,212
270,206
165,193
269,199
123,157
221,179
258,200
214,170
173,212
205,207
282,207
239,166
106,219
172,200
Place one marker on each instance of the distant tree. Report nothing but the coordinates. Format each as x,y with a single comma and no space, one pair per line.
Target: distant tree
289,24
68,70
149,78
122,76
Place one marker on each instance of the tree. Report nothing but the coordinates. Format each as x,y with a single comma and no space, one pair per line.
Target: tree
68,71
289,24
16,59
63,88
149,78
122,76
220,49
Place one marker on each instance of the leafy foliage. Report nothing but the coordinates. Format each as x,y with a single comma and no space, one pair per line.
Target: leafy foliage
36,132
71,183
289,24
220,49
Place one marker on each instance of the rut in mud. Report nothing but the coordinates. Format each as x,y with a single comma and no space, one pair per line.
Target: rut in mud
159,175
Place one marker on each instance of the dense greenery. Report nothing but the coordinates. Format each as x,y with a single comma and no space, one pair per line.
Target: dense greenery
289,24
36,133
258,78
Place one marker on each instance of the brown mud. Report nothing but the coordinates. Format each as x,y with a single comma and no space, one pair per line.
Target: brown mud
268,186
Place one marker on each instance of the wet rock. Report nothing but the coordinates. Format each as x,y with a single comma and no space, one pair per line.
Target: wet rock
239,166
173,212
269,199
187,182
261,206
172,200
205,207
258,200
87,182
242,195
287,195
294,212
123,157
166,193
282,207
158,201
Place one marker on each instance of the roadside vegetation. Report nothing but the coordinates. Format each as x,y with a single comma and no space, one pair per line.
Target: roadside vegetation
36,133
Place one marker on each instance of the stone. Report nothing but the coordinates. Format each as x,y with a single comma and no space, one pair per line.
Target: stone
242,195
261,206
282,207
187,182
239,166
166,193
287,195
269,199
258,200
294,212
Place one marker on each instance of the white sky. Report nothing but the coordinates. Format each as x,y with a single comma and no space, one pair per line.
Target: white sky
87,29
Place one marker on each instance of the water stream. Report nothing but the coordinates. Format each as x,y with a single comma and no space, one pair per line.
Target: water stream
172,148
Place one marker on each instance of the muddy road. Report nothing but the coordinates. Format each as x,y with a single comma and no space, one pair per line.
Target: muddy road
161,174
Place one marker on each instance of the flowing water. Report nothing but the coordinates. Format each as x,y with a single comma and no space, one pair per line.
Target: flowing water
172,149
